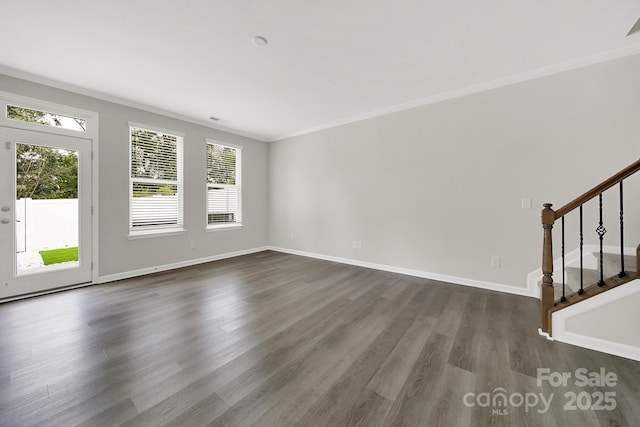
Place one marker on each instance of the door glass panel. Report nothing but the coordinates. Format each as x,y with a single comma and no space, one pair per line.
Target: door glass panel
46,209
44,118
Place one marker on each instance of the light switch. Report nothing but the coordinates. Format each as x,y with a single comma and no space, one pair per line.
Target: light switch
526,203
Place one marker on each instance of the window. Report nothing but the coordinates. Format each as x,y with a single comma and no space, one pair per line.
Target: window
224,197
28,115
156,187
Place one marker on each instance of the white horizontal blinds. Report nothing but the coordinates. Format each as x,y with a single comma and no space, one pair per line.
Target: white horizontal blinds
223,184
156,180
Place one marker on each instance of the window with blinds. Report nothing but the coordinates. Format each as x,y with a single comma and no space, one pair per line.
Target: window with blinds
156,187
223,185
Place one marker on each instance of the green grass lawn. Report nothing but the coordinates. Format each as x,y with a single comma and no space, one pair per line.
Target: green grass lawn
56,256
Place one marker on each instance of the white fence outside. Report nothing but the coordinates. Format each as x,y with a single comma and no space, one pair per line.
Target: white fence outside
46,224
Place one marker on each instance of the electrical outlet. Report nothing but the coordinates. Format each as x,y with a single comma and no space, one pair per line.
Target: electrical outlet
292,237
526,203
192,244
358,244
495,261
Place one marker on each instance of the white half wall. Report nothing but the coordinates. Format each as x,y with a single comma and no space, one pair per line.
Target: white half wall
607,322
439,188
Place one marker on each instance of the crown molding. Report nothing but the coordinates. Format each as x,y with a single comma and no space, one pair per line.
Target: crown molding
36,78
481,87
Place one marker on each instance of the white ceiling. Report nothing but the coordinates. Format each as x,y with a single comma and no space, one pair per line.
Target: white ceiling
327,62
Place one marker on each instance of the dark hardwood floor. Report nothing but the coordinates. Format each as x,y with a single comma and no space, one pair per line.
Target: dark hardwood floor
274,340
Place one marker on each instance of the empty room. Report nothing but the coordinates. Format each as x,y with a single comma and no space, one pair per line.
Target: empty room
319,213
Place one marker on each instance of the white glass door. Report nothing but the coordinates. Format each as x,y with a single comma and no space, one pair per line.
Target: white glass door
45,212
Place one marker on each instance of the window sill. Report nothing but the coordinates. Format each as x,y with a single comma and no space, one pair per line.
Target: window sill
224,227
146,234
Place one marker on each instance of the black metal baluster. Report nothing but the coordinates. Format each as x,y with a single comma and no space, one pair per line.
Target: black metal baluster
601,231
581,291
622,272
563,298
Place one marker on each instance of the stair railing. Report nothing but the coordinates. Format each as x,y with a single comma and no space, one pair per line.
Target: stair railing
549,217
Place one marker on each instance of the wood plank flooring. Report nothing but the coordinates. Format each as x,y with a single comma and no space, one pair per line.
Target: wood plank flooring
271,339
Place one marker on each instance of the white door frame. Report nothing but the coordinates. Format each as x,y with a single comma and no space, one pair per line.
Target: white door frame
17,283
92,133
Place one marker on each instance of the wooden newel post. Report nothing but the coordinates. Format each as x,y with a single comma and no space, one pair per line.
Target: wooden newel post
638,261
548,218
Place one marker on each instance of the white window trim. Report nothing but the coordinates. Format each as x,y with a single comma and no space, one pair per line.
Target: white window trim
160,231
90,118
226,144
156,129
233,225
224,227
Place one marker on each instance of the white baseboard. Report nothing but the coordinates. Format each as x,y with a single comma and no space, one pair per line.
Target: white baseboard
410,272
545,334
560,318
174,265
617,349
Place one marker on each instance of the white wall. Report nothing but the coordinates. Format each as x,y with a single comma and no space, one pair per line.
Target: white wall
438,188
435,189
118,254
